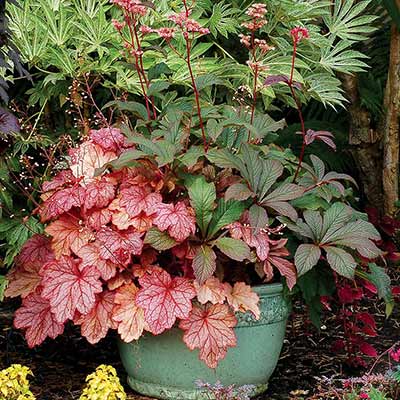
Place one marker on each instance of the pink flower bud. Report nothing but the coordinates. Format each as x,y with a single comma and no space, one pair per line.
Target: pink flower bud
298,33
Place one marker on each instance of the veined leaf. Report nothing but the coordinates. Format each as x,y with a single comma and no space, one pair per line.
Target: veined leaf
226,213
161,241
306,257
202,198
381,280
233,248
204,263
341,261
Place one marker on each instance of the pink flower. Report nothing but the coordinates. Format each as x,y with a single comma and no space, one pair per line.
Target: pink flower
364,395
178,18
145,30
257,10
132,6
166,33
118,25
298,33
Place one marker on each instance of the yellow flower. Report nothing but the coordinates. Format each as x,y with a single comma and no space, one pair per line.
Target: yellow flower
14,383
103,384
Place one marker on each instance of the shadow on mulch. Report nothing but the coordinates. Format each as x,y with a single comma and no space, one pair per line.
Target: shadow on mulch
60,366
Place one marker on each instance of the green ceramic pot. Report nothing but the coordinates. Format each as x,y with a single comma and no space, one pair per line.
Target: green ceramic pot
163,367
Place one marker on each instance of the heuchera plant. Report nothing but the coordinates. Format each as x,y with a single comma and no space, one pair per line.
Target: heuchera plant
169,218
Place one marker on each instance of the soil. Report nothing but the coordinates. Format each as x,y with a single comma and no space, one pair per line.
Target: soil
60,366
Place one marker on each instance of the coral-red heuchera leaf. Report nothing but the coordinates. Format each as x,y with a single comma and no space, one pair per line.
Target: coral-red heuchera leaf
36,317
109,139
22,282
61,202
212,290
242,298
118,246
178,219
210,329
90,255
62,178
68,288
68,234
95,325
136,199
97,218
99,192
128,316
164,299
35,252
87,158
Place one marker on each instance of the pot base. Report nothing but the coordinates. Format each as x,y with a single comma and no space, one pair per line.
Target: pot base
163,367
172,393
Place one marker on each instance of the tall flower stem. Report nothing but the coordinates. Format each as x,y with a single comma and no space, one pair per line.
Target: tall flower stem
139,71
140,55
196,92
194,86
299,111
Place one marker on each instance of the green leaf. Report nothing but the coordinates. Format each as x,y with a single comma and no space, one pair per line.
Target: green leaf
3,286
226,213
381,280
207,80
341,261
334,218
202,198
204,263
160,241
258,217
191,157
223,158
127,159
157,87
310,202
306,257
238,191
314,284
233,248
137,109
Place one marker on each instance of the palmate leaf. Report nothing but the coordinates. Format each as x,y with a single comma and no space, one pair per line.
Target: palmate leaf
222,20
326,185
37,318
225,213
202,198
325,88
164,299
337,229
210,329
341,58
348,21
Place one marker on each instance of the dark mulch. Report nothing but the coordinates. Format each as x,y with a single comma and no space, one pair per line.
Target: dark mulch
61,365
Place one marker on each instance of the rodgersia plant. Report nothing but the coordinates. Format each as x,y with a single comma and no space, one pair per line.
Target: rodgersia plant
168,218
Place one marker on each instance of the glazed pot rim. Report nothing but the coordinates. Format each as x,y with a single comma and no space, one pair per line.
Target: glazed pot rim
268,289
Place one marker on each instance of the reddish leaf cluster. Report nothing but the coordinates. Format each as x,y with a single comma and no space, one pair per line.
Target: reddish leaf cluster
97,266
357,325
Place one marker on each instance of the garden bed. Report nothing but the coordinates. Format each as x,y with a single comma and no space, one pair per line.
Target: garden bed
60,367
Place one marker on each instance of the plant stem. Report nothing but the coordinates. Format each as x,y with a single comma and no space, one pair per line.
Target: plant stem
137,66
139,47
195,90
299,111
